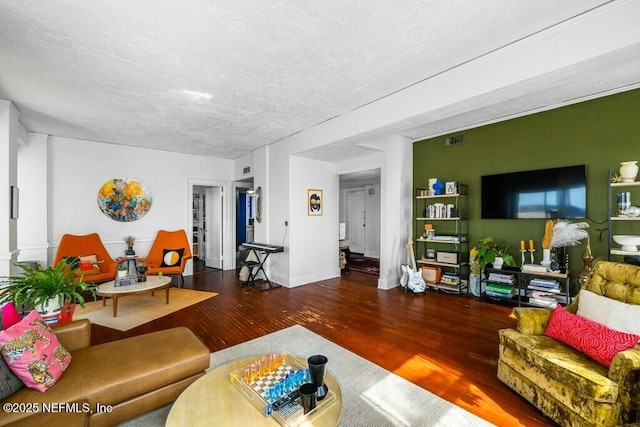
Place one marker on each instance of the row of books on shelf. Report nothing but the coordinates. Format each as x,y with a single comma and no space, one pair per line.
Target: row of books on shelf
536,297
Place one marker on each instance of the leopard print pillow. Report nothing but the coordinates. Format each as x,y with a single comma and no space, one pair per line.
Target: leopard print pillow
32,351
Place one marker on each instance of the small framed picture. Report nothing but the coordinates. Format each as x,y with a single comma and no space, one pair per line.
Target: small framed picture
451,187
15,201
314,202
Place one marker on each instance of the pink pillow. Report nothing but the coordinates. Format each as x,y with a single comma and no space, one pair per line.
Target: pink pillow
10,315
33,352
593,339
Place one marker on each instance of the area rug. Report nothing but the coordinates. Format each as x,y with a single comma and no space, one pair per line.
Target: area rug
135,310
364,264
372,396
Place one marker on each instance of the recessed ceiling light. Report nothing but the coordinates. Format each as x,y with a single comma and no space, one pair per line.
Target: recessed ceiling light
197,96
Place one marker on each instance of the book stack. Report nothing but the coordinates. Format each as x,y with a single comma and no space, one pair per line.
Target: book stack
500,285
450,279
543,299
534,268
544,292
547,285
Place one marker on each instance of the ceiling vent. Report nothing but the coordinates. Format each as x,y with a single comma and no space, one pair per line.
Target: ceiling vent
453,140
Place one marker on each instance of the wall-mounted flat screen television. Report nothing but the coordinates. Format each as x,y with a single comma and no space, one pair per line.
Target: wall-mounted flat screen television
544,193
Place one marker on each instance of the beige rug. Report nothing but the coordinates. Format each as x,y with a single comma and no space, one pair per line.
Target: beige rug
135,310
371,395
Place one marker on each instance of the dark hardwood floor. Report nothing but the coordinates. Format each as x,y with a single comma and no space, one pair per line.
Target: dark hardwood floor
446,344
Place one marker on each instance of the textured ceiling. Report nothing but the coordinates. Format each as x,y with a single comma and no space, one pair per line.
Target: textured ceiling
224,77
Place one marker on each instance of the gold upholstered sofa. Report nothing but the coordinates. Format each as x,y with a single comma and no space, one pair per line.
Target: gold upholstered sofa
565,384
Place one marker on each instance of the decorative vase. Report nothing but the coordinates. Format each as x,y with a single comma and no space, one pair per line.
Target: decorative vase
623,201
50,311
142,273
587,258
498,262
317,367
629,171
546,258
66,314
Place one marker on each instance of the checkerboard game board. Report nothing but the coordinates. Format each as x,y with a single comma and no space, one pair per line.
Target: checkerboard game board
262,384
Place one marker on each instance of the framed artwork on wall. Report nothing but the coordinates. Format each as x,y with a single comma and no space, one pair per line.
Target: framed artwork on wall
314,202
124,200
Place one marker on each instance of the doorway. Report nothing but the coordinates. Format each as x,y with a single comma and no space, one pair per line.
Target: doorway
360,217
207,227
356,220
245,217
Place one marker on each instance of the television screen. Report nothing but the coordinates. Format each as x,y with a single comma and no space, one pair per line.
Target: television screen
545,193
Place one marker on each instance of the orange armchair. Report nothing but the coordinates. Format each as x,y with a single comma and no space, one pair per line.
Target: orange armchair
169,253
88,245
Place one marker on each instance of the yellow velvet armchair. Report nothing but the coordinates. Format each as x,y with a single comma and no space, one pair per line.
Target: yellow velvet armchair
566,385
88,246
168,253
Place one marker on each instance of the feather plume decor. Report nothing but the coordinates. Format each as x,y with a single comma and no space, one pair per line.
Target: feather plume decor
548,234
566,233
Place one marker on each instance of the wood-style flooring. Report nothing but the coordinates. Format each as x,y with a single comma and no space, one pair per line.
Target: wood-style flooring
447,344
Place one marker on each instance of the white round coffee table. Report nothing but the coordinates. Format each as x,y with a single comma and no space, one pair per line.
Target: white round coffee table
153,283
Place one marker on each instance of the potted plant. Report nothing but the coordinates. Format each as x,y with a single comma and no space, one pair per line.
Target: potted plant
47,289
488,251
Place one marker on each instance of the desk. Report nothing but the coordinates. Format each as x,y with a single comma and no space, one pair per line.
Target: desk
213,401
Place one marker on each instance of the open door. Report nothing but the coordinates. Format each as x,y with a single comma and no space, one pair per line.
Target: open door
356,221
213,227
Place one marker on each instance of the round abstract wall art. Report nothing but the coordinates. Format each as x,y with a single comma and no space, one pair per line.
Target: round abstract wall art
124,200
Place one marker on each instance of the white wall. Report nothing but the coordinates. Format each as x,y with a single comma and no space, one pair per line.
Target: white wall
276,201
77,170
34,207
313,240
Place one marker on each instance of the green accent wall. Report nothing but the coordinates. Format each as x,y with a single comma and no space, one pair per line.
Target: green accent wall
600,133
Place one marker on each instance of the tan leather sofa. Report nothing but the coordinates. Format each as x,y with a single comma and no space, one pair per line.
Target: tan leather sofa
111,382
566,385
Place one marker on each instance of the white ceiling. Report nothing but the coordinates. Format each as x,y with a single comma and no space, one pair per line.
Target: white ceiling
223,77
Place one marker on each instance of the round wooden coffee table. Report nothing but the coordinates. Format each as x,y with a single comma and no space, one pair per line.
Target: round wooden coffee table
153,283
214,400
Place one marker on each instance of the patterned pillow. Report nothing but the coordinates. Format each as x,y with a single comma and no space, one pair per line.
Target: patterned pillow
172,257
9,383
88,265
33,352
593,339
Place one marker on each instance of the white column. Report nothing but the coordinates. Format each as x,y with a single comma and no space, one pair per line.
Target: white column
33,223
396,178
9,125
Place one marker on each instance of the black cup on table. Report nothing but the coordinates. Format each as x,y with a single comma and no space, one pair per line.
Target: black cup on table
317,367
308,396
